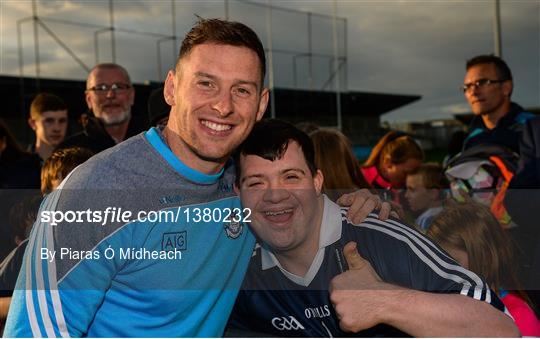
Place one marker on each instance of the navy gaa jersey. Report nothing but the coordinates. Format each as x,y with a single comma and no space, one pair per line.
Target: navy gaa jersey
277,302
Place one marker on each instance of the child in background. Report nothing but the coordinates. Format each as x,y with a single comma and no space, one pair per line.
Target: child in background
60,164
473,237
425,193
54,170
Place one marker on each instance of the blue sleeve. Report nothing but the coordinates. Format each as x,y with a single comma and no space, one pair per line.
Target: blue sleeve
45,304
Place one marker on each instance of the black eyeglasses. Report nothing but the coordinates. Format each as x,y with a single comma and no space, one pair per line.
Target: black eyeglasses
479,84
103,88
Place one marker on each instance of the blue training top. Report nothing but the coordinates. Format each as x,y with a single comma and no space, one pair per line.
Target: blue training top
142,278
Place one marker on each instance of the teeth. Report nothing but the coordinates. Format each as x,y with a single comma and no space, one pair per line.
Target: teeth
278,212
216,127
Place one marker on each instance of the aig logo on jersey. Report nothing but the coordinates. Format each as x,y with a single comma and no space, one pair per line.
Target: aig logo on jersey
287,323
174,240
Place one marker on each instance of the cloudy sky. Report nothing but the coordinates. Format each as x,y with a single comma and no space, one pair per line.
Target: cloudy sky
405,47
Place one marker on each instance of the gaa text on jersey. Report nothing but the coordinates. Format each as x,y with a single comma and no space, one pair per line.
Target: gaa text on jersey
287,323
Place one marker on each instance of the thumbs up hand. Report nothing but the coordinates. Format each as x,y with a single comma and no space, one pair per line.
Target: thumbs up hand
354,259
356,294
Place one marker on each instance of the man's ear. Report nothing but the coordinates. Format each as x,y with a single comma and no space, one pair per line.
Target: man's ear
88,101
32,123
169,88
131,95
263,103
236,189
318,180
507,87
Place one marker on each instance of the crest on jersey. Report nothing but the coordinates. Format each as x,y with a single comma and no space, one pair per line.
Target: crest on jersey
233,229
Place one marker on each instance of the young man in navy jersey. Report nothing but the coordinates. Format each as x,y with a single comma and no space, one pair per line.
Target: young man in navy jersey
309,278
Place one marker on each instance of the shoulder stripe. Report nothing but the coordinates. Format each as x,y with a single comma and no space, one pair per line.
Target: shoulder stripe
55,295
488,294
437,263
32,317
421,255
41,291
43,282
428,247
404,228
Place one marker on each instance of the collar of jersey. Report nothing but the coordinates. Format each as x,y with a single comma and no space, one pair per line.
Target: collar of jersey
153,135
330,233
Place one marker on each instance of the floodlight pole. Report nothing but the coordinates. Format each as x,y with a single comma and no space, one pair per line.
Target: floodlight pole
310,58
36,42
175,46
497,28
336,67
270,61
111,20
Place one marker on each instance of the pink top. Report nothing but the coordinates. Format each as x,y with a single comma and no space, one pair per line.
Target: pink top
371,174
523,315
375,180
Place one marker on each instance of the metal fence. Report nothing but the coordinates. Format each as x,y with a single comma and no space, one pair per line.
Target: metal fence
305,50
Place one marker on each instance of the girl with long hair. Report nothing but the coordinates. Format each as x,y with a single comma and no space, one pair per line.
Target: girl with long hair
474,238
393,157
334,156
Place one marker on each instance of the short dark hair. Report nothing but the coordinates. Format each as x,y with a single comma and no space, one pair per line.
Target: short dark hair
44,102
270,138
224,33
503,71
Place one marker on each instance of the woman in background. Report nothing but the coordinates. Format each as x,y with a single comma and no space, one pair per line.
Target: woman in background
335,158
473,237
392,158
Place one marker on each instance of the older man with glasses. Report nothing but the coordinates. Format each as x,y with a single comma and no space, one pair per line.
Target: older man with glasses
109,95
488,86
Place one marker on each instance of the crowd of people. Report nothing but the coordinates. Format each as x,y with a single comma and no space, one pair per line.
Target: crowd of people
451,251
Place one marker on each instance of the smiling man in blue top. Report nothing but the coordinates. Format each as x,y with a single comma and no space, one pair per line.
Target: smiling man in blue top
102,288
